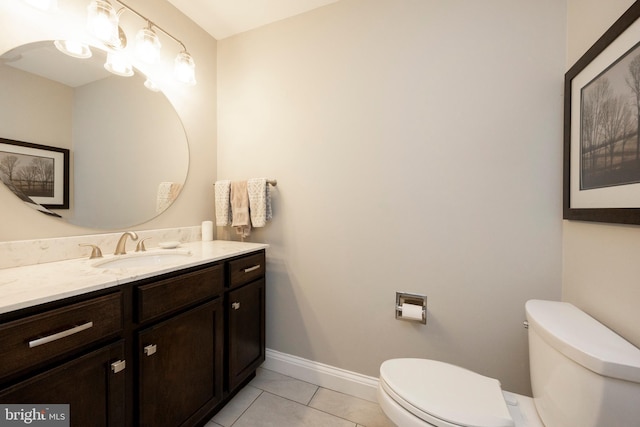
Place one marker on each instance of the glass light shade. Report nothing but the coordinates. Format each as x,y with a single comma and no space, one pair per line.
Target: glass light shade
185,68
43,4
73,48
148,45
118,64
102,21
151,85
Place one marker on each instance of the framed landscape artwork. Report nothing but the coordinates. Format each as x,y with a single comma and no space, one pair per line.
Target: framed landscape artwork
601,121
36,173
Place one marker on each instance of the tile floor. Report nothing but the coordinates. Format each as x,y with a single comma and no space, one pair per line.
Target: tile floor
275,400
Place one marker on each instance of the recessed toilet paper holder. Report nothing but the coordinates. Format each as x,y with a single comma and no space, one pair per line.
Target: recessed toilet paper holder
415,302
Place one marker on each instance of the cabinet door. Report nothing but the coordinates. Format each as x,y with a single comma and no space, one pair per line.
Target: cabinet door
246,331
181,366
88,384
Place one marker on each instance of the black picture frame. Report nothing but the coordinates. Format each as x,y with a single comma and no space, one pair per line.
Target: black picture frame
51,192
617,202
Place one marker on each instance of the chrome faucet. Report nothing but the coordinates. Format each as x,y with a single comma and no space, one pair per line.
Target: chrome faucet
121,246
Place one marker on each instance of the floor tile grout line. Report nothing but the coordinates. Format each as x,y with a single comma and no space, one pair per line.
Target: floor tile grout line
313,395
317,389
247,408
355,423
329,413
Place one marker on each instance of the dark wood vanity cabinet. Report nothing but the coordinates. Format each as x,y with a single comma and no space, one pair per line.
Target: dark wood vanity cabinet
165,351
245,331
245,302
180,358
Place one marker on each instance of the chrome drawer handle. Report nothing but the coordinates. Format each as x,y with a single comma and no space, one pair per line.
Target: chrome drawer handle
235,305
150,349
250,269
54,337
118,366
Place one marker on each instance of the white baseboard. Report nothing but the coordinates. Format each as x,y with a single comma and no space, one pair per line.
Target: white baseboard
322,375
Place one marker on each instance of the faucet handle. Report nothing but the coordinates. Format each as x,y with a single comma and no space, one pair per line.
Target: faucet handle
140,246
95,251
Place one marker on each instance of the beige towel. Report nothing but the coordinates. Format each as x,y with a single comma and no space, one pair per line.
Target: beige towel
167,193
241,220
223,205
259,201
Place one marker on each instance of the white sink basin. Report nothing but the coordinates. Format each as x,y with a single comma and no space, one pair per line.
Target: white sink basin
147,259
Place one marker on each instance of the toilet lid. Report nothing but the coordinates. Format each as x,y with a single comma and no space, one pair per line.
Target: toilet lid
431,389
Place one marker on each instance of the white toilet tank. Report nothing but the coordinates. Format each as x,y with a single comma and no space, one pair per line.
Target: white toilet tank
582,373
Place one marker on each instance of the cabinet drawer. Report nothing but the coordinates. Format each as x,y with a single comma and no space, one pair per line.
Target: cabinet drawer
41,337
246,269
165,296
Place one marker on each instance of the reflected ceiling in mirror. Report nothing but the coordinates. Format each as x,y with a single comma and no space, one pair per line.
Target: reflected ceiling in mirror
129,150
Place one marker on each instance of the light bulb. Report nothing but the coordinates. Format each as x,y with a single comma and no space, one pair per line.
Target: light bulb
148,45
73,48
118,64
102,21
152,85
184,68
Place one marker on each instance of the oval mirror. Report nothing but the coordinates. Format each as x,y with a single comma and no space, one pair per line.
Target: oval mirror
129,150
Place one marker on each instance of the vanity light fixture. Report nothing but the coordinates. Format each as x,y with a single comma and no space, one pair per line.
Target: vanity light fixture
148,45
73,48
117,63
103,22
151,85
184,68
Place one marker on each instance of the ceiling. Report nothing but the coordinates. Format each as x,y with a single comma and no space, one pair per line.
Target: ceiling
224,18
43,59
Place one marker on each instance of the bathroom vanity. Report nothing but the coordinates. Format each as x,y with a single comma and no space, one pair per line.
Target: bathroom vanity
151,346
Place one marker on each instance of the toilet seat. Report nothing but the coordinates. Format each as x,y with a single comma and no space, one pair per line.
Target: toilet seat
445,395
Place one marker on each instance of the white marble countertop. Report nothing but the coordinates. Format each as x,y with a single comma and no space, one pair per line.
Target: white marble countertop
27,286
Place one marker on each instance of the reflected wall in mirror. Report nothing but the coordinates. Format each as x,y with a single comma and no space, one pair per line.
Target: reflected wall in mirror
129,150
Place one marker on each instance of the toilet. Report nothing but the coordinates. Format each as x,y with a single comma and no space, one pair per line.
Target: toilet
582,375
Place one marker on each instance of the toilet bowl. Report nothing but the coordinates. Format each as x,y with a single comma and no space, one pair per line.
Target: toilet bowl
582,375
422,392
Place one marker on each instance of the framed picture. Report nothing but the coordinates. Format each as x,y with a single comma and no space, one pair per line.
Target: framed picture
601,127
37,172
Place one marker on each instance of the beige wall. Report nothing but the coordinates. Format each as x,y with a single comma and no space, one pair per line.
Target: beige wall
195,105
600,265
52,111
417,147
154,143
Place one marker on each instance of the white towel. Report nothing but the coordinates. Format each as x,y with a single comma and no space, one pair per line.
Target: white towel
167,193
259,201
241,219
223,204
